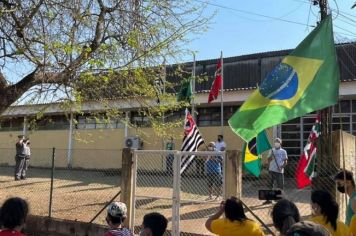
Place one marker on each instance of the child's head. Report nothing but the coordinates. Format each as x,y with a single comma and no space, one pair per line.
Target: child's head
13,213
117,213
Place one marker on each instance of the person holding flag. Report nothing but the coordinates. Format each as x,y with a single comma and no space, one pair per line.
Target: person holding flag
191,140
277,162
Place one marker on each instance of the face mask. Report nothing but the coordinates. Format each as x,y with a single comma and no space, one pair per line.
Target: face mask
341,189
277,145
219,139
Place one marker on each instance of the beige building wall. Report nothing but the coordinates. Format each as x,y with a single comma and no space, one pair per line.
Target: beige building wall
101,148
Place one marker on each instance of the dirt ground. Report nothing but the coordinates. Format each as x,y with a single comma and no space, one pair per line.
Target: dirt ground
79,195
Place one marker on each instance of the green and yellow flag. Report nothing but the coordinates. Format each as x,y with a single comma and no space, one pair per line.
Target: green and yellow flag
252,151
306,80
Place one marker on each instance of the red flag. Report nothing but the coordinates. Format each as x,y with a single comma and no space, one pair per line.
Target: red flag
214,91
306,165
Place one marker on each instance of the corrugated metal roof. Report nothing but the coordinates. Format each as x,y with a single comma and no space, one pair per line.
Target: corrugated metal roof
247,71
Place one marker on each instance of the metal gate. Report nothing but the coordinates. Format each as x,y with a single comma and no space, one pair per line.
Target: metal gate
183,198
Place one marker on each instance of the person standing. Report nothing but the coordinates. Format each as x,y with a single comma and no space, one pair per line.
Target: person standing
19,157
214,173
346,184
170,156
220,145
277,159
26,143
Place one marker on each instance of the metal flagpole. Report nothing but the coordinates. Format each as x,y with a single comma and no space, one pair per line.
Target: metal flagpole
193,87
164,92
222,93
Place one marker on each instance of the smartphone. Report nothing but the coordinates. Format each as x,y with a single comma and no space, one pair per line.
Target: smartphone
269,194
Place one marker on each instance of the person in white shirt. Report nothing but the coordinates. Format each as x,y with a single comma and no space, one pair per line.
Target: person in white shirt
27,158
277,160
220,145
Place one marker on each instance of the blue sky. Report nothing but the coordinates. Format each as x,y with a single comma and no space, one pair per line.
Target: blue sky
237,33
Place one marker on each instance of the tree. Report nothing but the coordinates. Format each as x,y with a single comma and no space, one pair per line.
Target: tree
80,47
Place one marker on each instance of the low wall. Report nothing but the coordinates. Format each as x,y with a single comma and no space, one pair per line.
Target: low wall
44,226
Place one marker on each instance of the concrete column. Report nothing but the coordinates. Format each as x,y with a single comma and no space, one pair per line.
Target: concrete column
128,185
70,141
24,130
233,174
127,120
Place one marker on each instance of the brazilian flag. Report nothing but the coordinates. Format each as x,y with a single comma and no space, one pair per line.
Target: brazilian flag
252,151
306,80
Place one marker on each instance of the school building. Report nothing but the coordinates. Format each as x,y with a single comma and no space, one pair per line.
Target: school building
90,142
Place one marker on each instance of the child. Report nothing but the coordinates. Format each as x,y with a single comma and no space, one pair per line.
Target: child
117,213
13,216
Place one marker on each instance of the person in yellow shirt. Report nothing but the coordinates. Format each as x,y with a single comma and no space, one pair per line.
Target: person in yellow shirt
235,222
352,227
325,211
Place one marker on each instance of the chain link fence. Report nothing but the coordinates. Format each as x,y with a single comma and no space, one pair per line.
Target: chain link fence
186,199
326,169
84,181
35,189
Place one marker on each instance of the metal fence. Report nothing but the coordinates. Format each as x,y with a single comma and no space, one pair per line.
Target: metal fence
84,183
324,180
77,189
183,198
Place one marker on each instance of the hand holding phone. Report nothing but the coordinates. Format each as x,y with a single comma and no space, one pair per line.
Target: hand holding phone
269,194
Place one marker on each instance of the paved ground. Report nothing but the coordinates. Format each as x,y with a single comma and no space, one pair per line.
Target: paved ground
79,195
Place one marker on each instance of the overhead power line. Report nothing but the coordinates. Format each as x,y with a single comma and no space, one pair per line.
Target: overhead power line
253,13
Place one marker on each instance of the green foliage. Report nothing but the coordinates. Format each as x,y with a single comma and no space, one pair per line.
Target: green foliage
115,52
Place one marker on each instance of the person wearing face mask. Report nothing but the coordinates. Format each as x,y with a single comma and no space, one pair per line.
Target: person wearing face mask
220,145
277,160
346,184
325,211
116,215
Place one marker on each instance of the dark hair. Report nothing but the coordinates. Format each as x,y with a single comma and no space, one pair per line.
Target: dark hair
13,212
284,214
328,206
345,174
156,222
220,135
234,209
116,219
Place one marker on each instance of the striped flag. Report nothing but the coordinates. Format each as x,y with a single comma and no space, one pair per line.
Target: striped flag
306,167
191,141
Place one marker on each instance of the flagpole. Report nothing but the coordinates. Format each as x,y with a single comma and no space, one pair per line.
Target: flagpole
193,87
164,92
222,93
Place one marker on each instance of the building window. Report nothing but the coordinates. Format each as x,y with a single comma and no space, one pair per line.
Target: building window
139,119
174,116
98,122
211,116
12,124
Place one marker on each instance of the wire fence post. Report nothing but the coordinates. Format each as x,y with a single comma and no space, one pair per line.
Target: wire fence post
176,194
51,190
